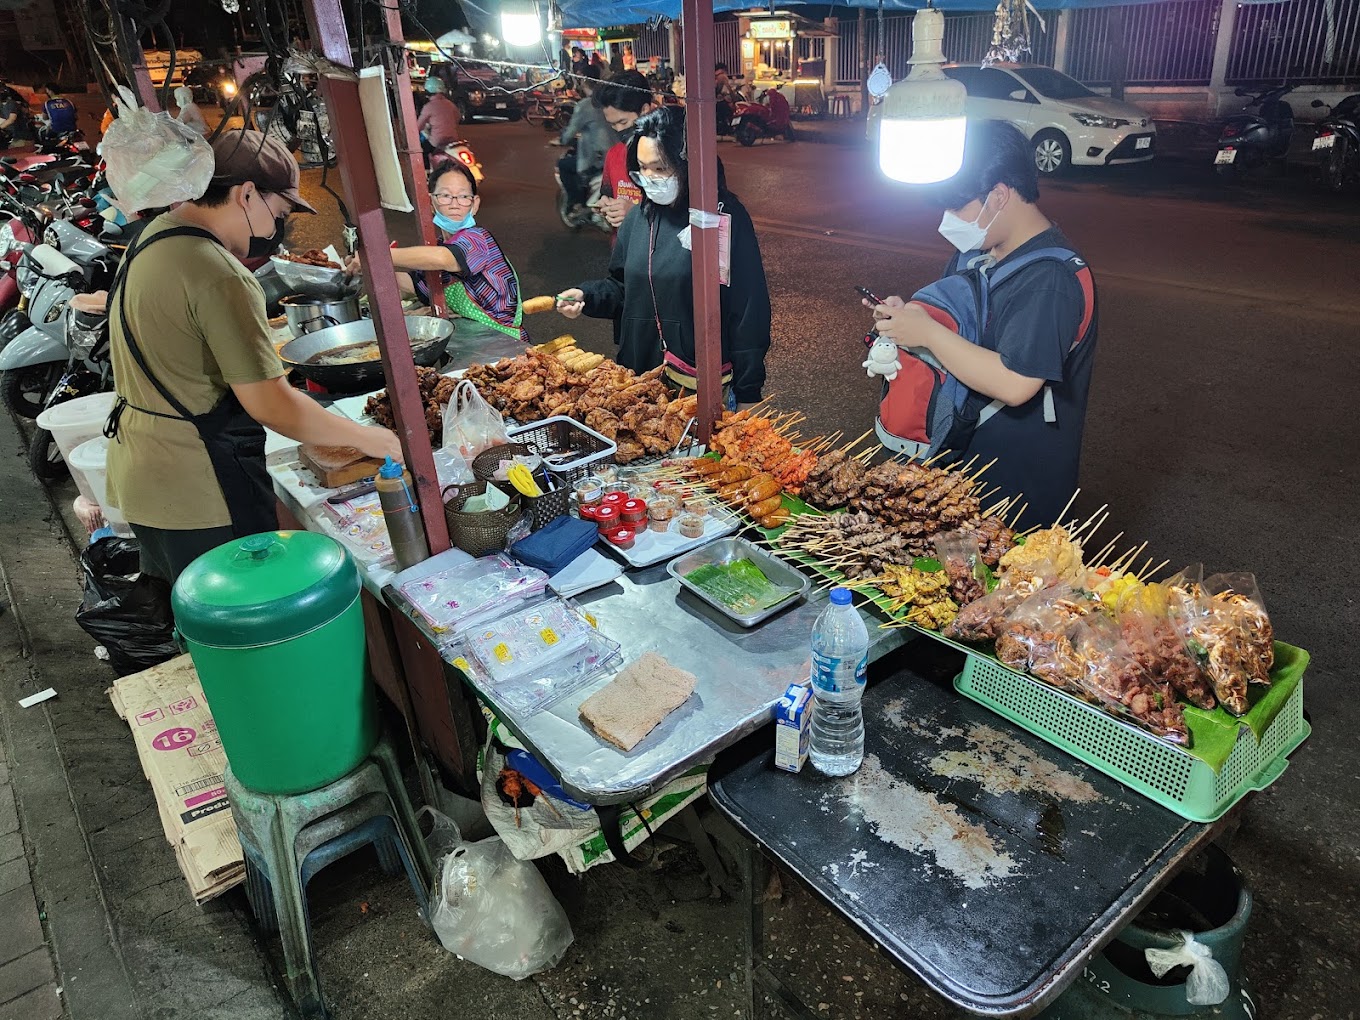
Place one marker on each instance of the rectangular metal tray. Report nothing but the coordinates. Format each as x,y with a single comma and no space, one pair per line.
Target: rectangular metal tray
726,550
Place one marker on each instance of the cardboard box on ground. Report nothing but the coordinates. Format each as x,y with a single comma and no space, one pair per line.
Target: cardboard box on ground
183,759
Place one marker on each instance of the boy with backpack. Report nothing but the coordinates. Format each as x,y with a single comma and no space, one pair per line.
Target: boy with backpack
995,358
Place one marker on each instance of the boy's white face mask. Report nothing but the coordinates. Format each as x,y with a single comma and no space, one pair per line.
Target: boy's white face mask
963,234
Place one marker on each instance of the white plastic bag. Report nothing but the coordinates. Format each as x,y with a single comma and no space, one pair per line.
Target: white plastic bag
471,425
153,160
1207,984
497,912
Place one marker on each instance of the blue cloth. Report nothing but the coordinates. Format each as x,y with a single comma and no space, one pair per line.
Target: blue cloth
556,544
61,115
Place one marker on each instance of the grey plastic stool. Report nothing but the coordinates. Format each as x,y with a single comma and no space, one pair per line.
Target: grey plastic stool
287,839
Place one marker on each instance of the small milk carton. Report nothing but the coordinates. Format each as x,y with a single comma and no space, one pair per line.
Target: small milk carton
792,726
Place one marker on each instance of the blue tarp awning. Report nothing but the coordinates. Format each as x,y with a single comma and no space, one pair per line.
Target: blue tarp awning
601,13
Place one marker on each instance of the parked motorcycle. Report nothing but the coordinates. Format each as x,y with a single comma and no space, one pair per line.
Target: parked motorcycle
1251,140
770,117
20,230
1337,144
88,370
32,363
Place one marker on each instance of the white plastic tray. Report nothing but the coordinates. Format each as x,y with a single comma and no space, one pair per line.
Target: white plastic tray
653,547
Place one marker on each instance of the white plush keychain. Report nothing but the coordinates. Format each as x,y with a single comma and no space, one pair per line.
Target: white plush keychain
882,360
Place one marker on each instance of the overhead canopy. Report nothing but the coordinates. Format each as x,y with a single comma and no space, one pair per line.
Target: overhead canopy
593,13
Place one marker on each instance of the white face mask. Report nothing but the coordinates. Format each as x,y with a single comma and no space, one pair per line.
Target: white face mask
964,235
660,190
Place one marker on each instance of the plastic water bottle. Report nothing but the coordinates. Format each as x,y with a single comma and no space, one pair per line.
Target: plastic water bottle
840,658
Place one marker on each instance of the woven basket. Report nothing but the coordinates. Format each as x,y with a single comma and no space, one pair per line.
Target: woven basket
478,534
546,508
484,465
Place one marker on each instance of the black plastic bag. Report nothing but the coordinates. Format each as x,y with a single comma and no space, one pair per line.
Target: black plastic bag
125,610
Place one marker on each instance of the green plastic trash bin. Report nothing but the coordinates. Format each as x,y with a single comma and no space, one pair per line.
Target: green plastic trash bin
276,631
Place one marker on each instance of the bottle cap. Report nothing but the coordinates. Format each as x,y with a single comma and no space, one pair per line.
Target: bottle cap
840,596
390,469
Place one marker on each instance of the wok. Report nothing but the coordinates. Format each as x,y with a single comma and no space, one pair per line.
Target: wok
428,336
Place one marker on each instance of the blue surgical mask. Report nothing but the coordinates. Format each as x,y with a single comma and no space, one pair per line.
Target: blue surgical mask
453,226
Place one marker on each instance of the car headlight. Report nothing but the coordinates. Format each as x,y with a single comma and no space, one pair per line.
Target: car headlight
478,97
1097,121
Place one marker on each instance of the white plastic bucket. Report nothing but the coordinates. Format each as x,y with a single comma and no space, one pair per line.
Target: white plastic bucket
90,459
75,422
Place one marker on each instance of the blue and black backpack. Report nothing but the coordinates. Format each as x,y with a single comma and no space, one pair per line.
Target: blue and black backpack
925,410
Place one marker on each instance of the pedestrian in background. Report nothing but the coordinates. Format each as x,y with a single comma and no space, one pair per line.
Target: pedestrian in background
189,113
650,286
624,99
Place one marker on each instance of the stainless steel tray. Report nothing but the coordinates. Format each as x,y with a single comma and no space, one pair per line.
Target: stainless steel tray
726,550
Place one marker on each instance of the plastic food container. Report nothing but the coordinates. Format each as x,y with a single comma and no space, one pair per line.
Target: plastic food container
632,511
695,505
623,538
589,492
614,499
692,526
606,518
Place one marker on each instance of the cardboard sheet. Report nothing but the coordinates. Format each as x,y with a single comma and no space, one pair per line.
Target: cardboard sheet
183,759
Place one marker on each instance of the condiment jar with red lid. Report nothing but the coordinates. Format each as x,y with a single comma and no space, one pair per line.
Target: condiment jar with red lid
606,517
614,498
632,511
622,538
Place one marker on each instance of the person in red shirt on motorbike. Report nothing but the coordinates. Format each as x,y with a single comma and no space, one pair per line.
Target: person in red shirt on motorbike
623,99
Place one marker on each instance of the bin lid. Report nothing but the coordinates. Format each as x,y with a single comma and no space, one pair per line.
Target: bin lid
264,589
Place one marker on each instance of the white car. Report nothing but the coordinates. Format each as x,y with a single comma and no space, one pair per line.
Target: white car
1067,122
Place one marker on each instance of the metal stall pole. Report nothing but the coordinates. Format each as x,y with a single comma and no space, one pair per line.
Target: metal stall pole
701,142
326,21
406,114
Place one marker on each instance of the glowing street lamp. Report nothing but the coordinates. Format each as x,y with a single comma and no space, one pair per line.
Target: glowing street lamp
921,130
519,23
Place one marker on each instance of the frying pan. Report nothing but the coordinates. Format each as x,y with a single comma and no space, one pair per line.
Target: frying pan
428,336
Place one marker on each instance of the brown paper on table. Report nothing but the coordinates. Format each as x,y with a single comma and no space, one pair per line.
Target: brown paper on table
183,759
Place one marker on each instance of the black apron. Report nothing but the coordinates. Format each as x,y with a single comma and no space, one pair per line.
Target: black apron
234,440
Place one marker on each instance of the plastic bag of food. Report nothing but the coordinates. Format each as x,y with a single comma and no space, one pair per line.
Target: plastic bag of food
960,553
496,911
471,425
1226,631
1113,676
1144,616
152,159
981,619
1052,548
1238,595
1037,636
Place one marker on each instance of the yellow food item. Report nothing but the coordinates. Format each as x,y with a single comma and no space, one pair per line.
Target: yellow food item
1051,547
561,343
535,305
1118,590
924,594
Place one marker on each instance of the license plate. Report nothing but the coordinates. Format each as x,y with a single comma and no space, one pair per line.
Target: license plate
1143,143
1225,156
500,106
1324,141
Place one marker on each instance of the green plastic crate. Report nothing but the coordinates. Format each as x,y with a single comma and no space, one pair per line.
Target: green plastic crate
1170,775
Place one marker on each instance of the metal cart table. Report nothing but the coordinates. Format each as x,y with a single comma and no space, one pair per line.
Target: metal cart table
980,858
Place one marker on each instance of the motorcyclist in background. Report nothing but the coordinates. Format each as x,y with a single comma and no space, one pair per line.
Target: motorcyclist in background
590,135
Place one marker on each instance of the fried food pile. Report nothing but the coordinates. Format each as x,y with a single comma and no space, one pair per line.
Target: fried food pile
917,502
921,595
310,257
1053,549
635,411
435,391
744,438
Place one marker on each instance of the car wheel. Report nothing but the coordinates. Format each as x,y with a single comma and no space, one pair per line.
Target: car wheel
1052,153
44,458
747,134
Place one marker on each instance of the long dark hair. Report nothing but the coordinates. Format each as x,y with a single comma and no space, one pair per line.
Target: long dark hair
666,127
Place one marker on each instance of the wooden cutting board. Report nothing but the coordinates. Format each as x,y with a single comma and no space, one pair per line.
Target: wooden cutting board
334,477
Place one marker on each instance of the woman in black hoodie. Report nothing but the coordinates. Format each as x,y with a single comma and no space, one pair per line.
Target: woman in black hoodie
650,284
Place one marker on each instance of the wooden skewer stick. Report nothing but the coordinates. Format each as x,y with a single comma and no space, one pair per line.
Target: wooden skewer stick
984,467
1063,512
1088,520
1155,570
1122,564
846,449
942,453
1019,513
1100,556
996,508
971,461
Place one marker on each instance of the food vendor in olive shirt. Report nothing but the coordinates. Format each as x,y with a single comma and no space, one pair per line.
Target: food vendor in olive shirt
195,368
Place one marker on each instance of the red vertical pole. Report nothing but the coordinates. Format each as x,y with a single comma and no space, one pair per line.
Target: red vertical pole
701,143
327,24
406,130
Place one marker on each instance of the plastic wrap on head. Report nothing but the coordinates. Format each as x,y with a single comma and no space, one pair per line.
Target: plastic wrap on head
153,160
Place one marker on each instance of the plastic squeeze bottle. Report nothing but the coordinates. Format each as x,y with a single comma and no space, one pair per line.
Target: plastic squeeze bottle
401,514
840,658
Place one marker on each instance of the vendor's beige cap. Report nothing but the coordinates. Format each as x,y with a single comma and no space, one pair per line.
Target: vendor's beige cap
252,156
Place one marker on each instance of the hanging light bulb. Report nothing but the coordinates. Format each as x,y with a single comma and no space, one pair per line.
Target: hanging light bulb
920,139
519,23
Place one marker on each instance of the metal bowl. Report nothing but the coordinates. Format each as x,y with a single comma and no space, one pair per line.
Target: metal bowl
428,337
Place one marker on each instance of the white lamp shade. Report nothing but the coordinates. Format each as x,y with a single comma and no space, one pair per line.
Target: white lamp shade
919,151
520,29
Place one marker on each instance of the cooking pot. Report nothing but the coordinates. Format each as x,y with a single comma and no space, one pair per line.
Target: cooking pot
428,337
307,313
